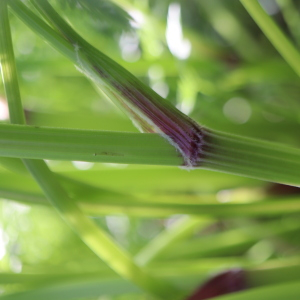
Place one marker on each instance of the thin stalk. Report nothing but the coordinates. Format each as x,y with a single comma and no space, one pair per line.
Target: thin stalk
204,266
13,164
23,197
264,208
291,16
254,158
275,271
274,34
234,32
288,290
270,272
43,30
9,73
220,151
86,145
66,286
223,243
183,228
98,240
86,289
37,279
95,206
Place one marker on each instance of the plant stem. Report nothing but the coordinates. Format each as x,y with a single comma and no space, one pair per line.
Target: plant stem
254,158
90,288
288,290
9,73
274,34
220,152
234,33
13,164
159,209
148,111
274,272
221,243
86,145
43,30
183,228
98,240
291,16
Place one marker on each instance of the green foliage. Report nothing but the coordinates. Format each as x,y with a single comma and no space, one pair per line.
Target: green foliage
106,15
149,229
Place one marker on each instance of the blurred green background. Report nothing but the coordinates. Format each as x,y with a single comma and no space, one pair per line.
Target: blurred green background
210,59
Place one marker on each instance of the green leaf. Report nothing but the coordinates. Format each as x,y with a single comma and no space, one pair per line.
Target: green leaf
76,290
107,14
281,291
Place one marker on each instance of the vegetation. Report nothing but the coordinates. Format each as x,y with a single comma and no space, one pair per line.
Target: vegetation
202,202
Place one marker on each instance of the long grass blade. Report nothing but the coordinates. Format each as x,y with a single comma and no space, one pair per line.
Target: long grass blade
281,291
220,151
76,290
80,145
274,34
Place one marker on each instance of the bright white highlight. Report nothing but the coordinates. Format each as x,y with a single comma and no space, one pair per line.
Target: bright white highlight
156,76
138,18
3,242
178,46
186,106
161,88
3,110
129,44
82,165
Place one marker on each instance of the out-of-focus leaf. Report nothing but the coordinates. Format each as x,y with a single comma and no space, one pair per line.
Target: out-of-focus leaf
289,291
227,282
75,290
106,13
